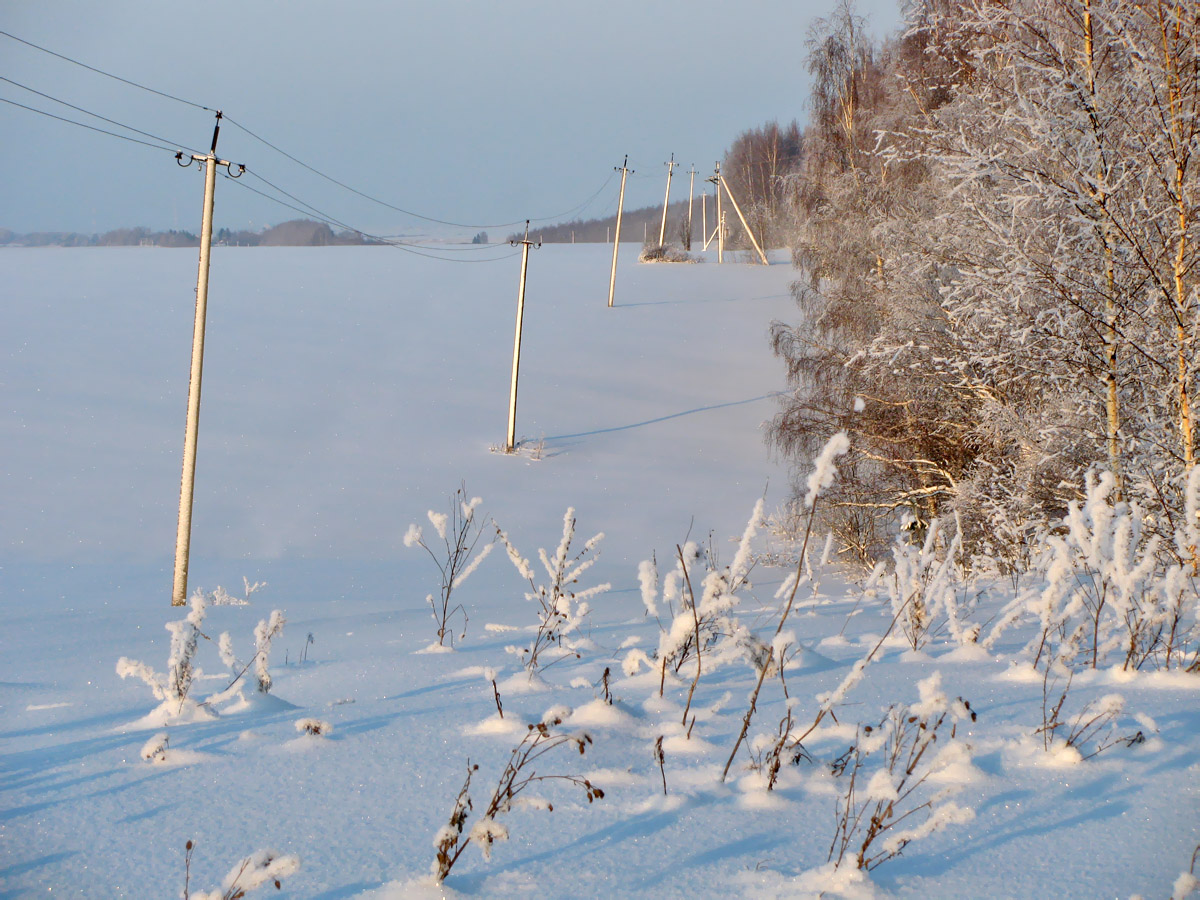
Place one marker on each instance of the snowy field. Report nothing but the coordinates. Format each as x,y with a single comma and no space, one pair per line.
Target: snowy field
349,390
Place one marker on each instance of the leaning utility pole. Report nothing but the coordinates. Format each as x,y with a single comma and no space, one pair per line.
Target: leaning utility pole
183,536
526,243
612,279
662,229
749,233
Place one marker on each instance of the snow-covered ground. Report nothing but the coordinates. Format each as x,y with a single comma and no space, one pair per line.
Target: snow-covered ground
348,391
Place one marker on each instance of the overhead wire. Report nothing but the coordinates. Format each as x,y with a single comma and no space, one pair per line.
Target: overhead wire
405,211
309,210
88,112
330,220
123,137
106,74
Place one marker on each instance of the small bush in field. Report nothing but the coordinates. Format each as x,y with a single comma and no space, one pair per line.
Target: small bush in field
454,837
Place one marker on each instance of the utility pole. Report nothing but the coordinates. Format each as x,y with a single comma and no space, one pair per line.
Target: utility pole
750,233
662,229
715,180
691,194
183,536
704,219
511,444
612,279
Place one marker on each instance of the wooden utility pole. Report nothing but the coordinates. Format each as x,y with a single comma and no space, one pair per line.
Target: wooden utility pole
612,279
662,229
704,219
750,233
183,535
511,444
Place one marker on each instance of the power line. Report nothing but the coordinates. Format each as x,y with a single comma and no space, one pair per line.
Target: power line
105,74
399,245
399,209
88,112
330,220
124,137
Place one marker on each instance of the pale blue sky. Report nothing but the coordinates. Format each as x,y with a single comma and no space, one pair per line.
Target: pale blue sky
481,113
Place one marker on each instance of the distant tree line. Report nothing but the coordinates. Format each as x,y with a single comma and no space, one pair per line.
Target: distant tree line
296,233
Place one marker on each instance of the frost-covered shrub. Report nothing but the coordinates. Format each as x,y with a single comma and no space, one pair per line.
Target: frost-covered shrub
899,778
1111,592
459,533
656,253
255,871
698,622
1087,733
702,630
518,774
561,608
314,727
222,597
172,688
265,633
155,749
923,588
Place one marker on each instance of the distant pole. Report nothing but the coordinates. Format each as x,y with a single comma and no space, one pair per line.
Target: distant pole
662,229
738,210
704,219
612,280
511,443
691,194
183,535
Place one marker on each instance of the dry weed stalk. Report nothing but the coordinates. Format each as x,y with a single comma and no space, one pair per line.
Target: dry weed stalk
872,809
518,774
561,609
460,533
1092,725
687,580
660,757
256,870
821,478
